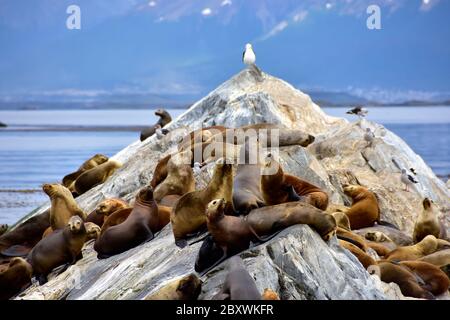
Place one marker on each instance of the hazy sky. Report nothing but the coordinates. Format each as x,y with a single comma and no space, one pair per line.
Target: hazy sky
188,47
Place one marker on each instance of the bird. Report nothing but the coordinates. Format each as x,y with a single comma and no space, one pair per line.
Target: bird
407,179
358,111
248,56
369,136
197,168
160,132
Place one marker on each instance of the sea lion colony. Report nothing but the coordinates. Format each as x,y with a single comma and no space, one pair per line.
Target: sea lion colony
242,205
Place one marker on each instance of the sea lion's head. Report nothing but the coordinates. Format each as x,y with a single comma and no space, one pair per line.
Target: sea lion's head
427,203
145,194
92,230
327,227
428,244
353,191
3,228
224,165
99,158
189,287
108,206
215,209
115,164
163,114
76,224
342,220
56,190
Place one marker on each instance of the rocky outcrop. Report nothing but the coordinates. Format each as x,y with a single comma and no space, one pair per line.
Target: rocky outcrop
297,263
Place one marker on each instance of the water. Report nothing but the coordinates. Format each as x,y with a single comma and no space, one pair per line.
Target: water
35,149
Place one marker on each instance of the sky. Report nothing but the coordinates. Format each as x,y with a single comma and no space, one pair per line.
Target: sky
140,50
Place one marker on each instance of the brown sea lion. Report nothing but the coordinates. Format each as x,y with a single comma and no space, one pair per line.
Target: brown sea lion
179,179
92,231
199,136
427,246
364,210
63,207
403,277
276,187
188,214
186,288
95,176
208,255
269,294
14,278
238,284
351,237
428,222
247,193
92,162
105,209
438,258
342,220
61,247
160,172
265,132
267,220
363,257
436,281
140,226
19,241
3,228
164,119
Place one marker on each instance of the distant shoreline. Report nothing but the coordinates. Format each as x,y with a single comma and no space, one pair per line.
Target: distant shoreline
72,128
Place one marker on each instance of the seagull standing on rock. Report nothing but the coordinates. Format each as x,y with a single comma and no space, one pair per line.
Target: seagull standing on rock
197,168
407,179
160,132
248,56
358,111
369,136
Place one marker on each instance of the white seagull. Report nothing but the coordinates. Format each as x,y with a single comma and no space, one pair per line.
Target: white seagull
358,111
248,56
197,168
160,132
407,179
369,136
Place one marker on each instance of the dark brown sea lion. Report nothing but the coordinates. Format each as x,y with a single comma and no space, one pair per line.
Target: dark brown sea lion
436,281
364,211
276,187
140,226
160,172
247,193
19,241
14,278
208,255
427,246
403,277
61,247
164,119
238,284
104,209
95,176
179,179
186,288
428,222
267,220
188,215
92,162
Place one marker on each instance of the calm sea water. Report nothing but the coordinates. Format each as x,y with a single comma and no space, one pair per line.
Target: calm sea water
31,157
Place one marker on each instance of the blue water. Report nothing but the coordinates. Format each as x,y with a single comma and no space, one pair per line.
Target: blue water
30,158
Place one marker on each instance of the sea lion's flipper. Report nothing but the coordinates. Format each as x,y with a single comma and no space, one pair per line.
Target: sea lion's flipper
42,279
71,177
200,239
182,243
103,256
387,224
292,195
223,258
356,243
16,251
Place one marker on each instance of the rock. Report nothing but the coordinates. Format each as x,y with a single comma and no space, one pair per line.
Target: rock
2,125
297,263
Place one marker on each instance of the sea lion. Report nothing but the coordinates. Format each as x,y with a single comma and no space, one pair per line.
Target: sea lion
364,211
179,179
105,209
269,294
342,220
19,241
403,277
63,206
267,220
170,200
386,235
160,172
92,231
436,281
428,222
276,187
140,226
439,258
427,246
14,278
199,136
3,228
363,257
247,193
188,214
238,284
208,255
164,119
92,162
120,216
95,176
265,132
186,288
61,247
